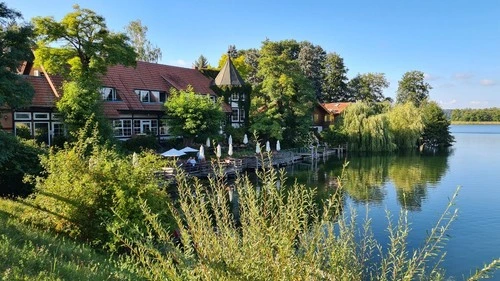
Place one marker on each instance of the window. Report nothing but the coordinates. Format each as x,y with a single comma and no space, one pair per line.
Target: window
234,96
23,129
316,117
57,129
163,130
163,97
40,116
123,128
242,115
327,118
22,116
243,96
56,116
235,115
144,95
137,127
108,94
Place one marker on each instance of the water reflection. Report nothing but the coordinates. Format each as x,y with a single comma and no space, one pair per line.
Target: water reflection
366,178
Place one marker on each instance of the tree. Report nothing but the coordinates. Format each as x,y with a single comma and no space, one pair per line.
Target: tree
413,88
335,80
144,49
311,60
436,130
86,50
15,48
285,100
189,114
406,125
368,87
201,63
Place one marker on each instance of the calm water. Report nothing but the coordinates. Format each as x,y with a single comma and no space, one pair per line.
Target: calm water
423,185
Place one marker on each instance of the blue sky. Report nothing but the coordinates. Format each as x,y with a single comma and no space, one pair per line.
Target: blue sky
455,43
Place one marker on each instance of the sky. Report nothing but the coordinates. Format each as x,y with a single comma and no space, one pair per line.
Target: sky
456,43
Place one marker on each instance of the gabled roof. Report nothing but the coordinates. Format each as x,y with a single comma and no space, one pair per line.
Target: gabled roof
335,107
150,76
44,94
228,75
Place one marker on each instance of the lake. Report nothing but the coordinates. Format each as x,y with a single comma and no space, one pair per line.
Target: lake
423,185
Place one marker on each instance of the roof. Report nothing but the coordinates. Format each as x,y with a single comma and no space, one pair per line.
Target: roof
44,95
335,107
228,75
149,76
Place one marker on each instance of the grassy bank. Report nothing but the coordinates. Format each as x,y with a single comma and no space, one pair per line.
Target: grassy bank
27,253
474,123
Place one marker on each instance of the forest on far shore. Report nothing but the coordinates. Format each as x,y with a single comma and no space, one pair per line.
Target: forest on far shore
476,115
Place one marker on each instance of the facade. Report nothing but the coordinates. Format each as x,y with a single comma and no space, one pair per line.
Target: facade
325,114
133,98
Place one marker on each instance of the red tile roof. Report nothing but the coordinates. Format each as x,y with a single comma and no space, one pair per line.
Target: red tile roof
149,76
335,107
44,95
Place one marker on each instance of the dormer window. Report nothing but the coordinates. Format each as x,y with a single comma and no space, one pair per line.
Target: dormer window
151,96
234,96
108,94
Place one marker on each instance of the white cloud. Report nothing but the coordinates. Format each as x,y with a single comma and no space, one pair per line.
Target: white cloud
447,103
180,62
463,76
487,82
430,77
478,104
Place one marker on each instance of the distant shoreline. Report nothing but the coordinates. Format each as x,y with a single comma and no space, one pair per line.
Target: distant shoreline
475,123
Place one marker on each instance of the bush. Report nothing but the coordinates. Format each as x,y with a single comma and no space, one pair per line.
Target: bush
18,158
91,189
140,143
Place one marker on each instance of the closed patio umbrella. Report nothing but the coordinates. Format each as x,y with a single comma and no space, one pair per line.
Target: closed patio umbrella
268,146
230,150
201,153
278,146
208,142
245,139
257,148
230,140
219,151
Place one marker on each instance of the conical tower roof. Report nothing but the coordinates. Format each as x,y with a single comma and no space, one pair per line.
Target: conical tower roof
228,75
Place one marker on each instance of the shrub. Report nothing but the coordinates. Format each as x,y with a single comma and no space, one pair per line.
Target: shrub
140,143
90,188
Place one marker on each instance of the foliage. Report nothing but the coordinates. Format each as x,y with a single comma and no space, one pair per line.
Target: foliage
190,114
406,125
436,126
27,253
366,130
85,50
140,143
334,136
144,49
201,63
412,88
335,80
368,87
476,115
239,63
15,48
18,158
90,188
85,44
311,60
282,108
277,233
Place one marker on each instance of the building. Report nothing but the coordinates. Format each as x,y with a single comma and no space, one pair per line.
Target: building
133,98
325,114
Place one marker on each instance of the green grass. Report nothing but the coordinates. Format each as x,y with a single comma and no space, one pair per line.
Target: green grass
27,253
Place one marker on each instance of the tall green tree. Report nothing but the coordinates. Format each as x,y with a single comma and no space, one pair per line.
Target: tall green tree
285,100
368,87
142,46
413,88
335,80
189,114
15,48
406,125
311,60
436,130
201,63
85,49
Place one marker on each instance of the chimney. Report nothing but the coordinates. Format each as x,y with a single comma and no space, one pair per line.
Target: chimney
36,72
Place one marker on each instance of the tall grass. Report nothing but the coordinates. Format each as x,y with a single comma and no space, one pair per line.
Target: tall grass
277,233
27,253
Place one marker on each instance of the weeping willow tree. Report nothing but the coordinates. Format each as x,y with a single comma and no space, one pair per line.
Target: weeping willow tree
405,122
366,130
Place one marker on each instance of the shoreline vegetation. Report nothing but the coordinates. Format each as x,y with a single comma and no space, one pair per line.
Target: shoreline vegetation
475,122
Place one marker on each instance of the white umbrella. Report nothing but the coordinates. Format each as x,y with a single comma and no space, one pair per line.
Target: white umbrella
268,146
188,149
257,148
245,139
230,150
230,140
278,146
201,153
219,153
208,142
135,159
173,153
